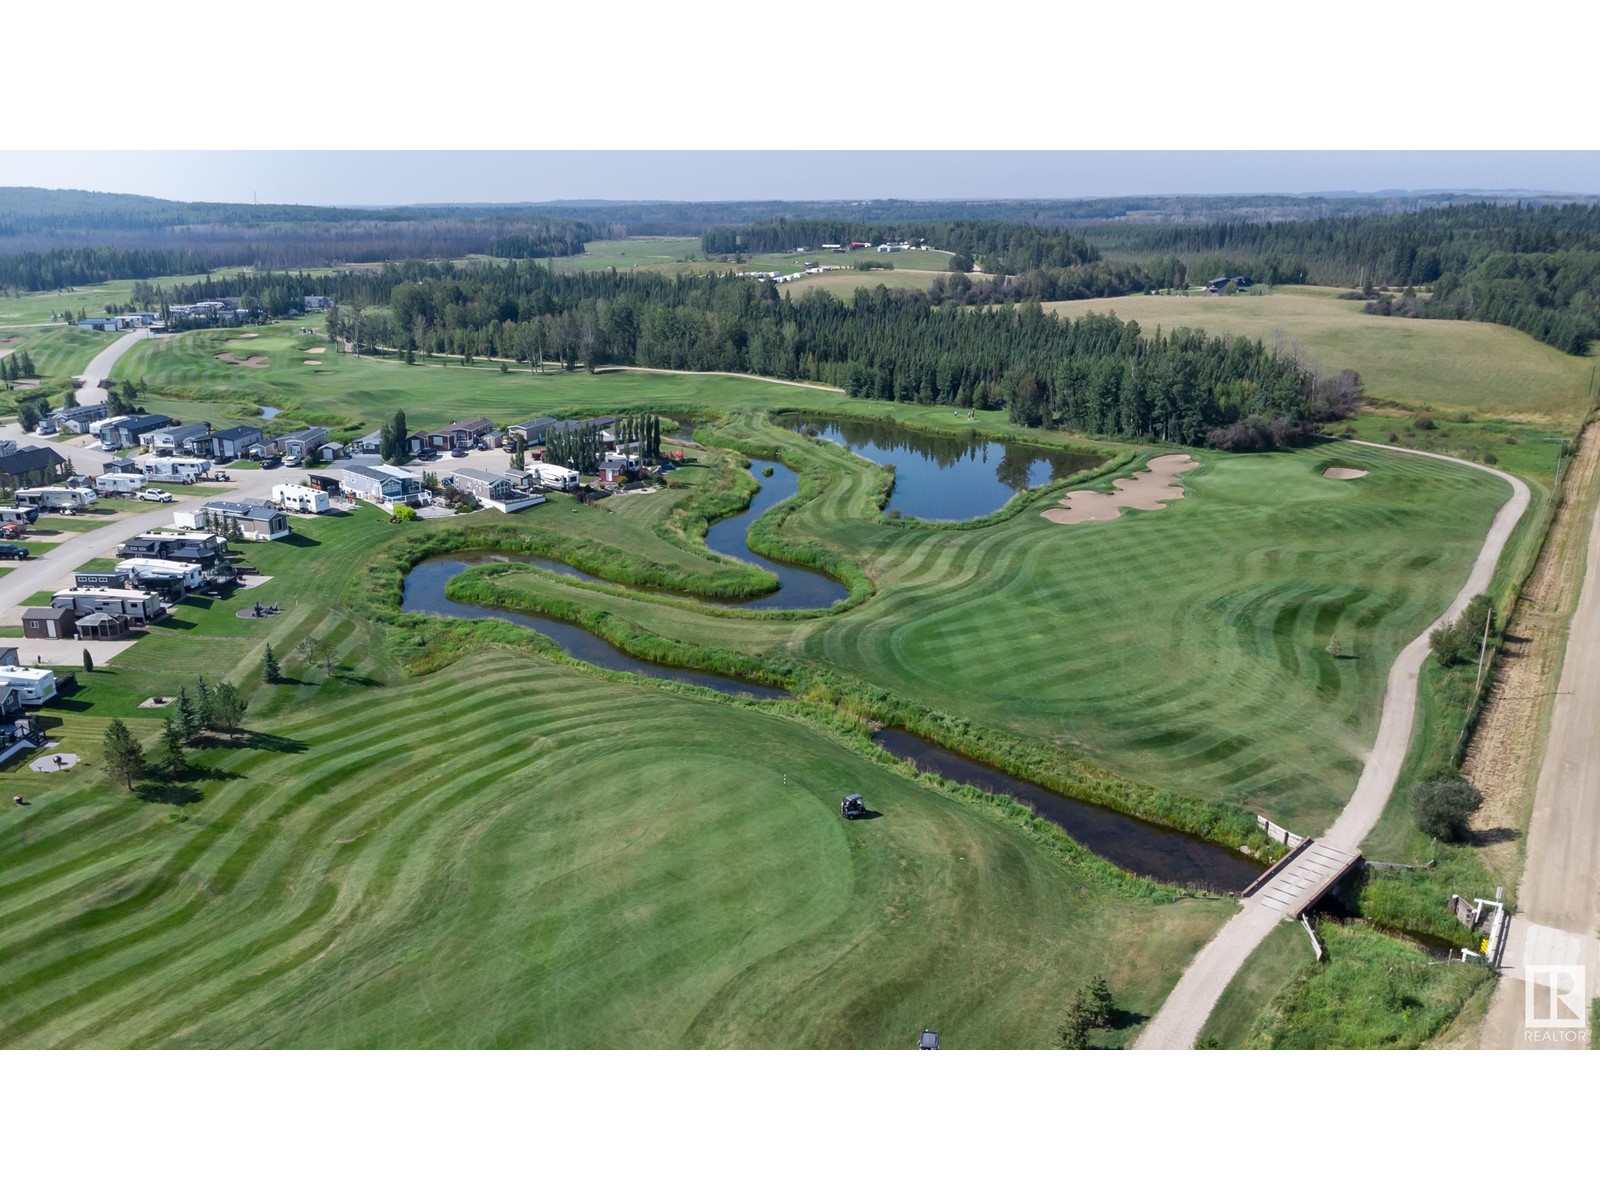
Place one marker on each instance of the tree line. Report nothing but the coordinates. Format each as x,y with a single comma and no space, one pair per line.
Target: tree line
1095,374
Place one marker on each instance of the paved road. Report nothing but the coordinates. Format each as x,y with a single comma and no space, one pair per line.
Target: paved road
59,561
1558,903
1184,1014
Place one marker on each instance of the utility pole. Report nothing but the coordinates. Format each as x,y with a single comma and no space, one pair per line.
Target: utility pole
1483,650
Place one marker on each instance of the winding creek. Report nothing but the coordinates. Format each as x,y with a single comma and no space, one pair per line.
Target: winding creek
1138,846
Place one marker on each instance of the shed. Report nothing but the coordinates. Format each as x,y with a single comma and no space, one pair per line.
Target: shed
51,623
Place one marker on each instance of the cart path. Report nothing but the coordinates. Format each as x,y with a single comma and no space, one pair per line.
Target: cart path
1178,1023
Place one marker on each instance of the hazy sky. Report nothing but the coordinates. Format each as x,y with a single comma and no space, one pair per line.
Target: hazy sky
411,177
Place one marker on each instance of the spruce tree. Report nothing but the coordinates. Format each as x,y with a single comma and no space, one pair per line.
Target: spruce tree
173,761
187,716
271,672
124,755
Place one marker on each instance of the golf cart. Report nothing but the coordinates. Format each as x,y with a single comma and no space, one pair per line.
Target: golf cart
852,806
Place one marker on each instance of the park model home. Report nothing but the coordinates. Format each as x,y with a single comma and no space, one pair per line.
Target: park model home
306,444
385,485
34,466
79,419
175,437
257,521
235,442
461,435
494,491
204,550
122,433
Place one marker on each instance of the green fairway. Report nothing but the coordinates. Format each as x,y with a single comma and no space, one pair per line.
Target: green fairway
1185,648
587,868
1450,365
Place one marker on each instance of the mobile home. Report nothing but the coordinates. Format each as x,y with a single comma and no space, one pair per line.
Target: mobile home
119,485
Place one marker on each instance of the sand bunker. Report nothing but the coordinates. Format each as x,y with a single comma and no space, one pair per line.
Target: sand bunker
1147,490
255,360
310,362
1343,473
243,337
317,350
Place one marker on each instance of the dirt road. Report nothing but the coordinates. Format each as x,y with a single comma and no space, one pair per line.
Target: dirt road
1181,1018
1558,901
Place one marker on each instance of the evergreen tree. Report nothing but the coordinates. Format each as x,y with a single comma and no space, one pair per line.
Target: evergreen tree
271,672
187,715
124,755
88,660
204,701
173,761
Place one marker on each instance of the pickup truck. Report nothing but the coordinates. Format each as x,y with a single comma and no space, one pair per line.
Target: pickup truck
154,495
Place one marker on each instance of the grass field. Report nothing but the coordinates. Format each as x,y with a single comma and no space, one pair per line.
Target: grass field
1447,365
665,254
845,283
583,868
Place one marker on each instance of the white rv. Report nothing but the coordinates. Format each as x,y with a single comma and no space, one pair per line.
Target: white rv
174,470
117,484
57,499
294,497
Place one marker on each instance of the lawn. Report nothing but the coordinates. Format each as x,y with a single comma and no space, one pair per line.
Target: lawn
1447,365
584,868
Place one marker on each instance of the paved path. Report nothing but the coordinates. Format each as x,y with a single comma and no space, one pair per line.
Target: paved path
1558,902
1184,1014
101,365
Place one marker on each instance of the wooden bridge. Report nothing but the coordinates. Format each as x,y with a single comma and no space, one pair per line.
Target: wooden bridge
1300,878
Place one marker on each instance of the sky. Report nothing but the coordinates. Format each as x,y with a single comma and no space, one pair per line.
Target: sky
383,177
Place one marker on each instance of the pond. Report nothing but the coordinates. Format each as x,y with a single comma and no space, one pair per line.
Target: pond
941,478
424,593
268,412
1140,847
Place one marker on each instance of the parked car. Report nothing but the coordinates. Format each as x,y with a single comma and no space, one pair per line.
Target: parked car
154,495
458,453
12,550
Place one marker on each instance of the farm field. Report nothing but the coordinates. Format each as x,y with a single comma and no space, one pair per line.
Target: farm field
1446,365
329,879
623,254
845,283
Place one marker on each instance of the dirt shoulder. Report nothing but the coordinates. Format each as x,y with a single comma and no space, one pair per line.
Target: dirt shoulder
1508,744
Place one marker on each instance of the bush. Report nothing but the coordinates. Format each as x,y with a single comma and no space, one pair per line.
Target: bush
1423,423
1443,807
404,512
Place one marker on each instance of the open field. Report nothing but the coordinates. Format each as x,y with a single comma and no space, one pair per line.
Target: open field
845,283
623,254
1448,365
59,351
335,879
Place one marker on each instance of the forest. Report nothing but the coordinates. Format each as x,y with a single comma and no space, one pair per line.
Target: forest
1097,374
